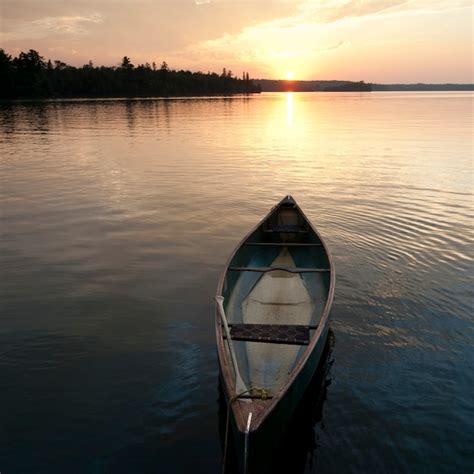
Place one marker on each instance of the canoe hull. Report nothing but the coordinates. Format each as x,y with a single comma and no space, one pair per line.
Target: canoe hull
265,420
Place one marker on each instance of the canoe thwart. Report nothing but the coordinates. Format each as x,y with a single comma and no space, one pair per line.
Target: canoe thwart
285,269
272,333
286,229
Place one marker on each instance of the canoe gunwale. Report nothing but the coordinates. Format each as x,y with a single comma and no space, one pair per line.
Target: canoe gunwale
227,373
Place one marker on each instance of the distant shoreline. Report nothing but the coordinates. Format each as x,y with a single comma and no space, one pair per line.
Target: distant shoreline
271,85
423,87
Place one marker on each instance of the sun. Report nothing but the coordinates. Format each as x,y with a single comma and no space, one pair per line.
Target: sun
290,75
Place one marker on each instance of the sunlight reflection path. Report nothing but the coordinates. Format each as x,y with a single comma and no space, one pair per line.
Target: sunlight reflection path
289,109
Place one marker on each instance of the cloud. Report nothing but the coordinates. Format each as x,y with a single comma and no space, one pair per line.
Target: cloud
77,25
328,11
331,11
310,30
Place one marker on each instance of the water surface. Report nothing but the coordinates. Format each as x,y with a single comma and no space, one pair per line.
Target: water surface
117,218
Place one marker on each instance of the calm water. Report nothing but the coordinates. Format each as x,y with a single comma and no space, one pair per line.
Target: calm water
117,218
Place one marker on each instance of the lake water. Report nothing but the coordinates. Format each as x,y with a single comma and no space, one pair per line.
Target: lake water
117,217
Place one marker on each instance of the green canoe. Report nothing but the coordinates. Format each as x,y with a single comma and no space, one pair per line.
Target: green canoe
272,319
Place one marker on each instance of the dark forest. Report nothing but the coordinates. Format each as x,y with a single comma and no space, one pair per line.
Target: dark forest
29,75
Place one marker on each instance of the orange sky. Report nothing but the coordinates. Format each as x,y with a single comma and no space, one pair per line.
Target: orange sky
382,41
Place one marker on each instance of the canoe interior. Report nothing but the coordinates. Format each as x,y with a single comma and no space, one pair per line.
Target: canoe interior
276,297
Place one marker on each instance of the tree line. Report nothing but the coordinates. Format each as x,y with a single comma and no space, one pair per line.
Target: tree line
29,75
270,85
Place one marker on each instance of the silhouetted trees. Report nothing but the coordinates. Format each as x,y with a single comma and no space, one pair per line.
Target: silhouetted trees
126,63
30,76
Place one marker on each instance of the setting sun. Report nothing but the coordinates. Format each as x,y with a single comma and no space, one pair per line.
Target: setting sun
290,75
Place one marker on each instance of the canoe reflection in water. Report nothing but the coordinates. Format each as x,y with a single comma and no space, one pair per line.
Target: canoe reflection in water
297,447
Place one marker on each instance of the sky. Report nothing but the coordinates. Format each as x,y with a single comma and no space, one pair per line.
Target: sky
383,41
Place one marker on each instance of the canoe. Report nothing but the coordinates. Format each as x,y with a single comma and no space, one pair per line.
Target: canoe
272,318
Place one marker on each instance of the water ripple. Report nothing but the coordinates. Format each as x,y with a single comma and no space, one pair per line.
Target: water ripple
117,216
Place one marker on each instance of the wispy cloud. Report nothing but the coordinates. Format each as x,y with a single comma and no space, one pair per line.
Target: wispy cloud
328,11
77,25
331,11
311,30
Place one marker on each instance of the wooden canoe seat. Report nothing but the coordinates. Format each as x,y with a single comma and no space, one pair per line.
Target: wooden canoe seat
271,333
284,269
286,229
